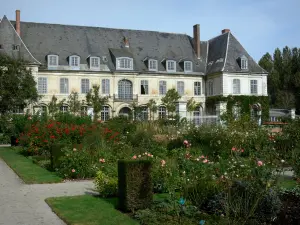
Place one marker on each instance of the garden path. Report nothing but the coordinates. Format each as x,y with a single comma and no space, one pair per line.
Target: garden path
22,204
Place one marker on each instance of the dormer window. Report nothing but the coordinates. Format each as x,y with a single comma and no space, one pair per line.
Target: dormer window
52,60
94,63
188,66
152,65
124,63
244,63
171,66
74,61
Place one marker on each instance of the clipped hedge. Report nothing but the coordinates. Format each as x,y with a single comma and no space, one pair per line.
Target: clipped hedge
135,187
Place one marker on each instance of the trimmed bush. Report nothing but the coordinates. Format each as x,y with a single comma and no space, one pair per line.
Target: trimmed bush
106,186
134,184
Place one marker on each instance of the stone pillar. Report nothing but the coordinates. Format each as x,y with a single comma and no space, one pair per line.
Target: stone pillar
293,113
181,108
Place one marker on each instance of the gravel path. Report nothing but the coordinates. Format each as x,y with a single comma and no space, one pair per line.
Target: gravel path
22,204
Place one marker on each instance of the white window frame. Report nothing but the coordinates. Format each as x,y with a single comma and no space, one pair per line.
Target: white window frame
92,65
152,65
76,59
254,87
42,87
51,59
145,83
105,86
162,87
168,65
64,108
197,88
127,64
85,86
190,65
244,63
180,87
210,89
162,112
236,86
105,113
66,86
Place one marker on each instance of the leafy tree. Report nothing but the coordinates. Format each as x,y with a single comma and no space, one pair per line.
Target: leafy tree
17,85
93,99
170,99
74,103
152,106
54,106
192,106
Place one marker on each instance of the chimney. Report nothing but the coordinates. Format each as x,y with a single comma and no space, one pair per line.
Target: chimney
18,22
126,42
225,31
197,40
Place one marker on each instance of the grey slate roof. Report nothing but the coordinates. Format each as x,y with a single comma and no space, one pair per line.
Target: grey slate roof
65,40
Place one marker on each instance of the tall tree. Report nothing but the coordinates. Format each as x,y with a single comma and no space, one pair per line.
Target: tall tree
170,99
17,85
191,106
152,106
94,99
74,103
54,106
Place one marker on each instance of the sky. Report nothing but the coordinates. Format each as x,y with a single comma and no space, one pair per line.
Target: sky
261,26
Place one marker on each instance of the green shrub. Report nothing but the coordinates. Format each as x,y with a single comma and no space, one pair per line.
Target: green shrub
295,162
107,186
134,184
56,154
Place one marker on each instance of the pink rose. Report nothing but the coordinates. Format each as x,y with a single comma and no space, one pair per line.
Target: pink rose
163,162
134,157
242,150
205,161
73,170
202,156
233,149
259,163
185,142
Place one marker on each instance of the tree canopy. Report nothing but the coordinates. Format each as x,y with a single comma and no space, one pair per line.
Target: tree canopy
284,77
17,85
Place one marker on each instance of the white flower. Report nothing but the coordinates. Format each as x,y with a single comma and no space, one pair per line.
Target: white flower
282,161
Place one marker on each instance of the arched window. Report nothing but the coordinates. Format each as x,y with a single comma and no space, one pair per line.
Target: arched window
125,89
105,113
162,112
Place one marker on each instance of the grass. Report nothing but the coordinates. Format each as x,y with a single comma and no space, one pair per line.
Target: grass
88,210
29,172
287,183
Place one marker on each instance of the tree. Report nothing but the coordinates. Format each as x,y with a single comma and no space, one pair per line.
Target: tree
54,106
93,99
74,103
285,99
170,99
152,108
192,106
17,85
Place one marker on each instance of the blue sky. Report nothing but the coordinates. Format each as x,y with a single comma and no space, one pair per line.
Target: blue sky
260,25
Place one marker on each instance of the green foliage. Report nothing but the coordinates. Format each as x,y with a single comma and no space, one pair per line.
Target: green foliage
170,99
56,154
94,99
17,85
74,103
107,186
54,106
152,106
134,184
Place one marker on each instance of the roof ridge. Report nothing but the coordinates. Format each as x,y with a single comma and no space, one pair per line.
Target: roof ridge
226,51
125,29
218,36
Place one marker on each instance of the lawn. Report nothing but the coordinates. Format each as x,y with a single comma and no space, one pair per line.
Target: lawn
29,172
88,210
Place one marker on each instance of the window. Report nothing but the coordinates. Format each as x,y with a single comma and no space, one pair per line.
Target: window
210,88
196,116
244,63
143,114
188,66
197,88
74,61
124,63
94,62
171,66
52,60
180,87
144,87
105,113
42,85
125,89
18,110
83,110
105,86
64,108
236,86
16,47
162,87
253,86
236,112
152,65
162,112
85,86
64,85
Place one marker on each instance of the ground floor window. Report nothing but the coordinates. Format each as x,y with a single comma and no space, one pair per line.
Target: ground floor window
162,112
64,108
105,113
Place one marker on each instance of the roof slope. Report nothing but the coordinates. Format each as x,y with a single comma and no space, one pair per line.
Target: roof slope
65,40
8,38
